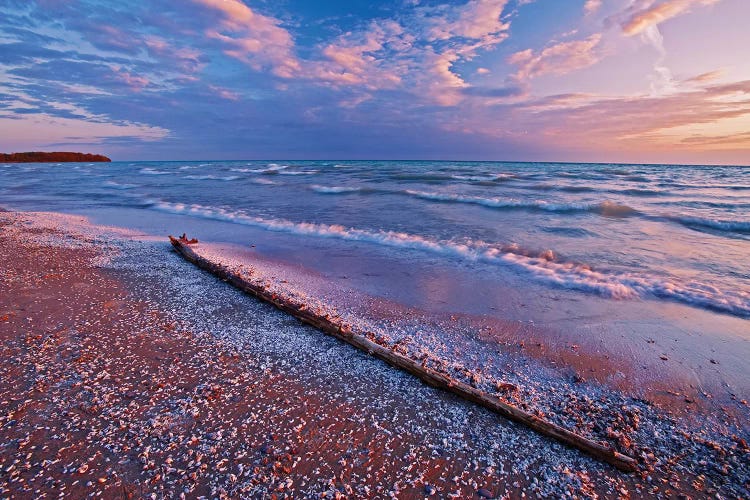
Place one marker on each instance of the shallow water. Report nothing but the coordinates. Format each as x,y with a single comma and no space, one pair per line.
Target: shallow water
622,232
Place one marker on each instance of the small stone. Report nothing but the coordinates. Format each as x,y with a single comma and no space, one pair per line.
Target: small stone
484,493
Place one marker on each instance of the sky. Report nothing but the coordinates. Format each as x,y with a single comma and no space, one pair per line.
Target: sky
646,81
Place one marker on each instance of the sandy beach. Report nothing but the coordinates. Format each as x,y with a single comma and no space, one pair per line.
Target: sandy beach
129,374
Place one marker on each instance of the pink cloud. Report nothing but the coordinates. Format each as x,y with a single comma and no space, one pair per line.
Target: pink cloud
474,26
641,122
257,40
354,60
444,86
135,82
591,6
188,59
224,93
658,12
557,59
478,19
705,77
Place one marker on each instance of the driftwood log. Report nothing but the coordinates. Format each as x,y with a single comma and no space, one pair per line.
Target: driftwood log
434,378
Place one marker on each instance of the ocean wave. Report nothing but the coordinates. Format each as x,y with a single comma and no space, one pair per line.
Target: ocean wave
117,185
605,208
544,266
715,224
576,189
212,177
335,189
276,169
733,205
270,169
151,171
297,172
493,178
615,171
591,189
263,181
639,192
638,178
702,187
575,232
427,177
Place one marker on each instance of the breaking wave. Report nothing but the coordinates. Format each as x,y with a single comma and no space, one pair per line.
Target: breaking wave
297,172
715,224
212,177
335,189
605,208
263,181
119,186
543,266
151,171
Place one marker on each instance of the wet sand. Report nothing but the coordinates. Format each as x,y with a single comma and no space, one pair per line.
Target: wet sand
129,373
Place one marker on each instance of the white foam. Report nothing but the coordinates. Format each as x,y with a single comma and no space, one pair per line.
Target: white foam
722,225
117,185
151,171
212,177
334,189
297,172
606,208
542,266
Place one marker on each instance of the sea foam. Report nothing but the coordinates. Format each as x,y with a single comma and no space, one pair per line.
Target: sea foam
606,208
544,266
335,189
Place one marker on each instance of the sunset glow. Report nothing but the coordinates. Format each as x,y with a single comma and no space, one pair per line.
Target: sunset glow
581,80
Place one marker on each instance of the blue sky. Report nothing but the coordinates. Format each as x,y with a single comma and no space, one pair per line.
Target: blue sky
538,80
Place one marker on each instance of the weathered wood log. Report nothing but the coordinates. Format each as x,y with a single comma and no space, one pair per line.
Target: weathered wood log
432,377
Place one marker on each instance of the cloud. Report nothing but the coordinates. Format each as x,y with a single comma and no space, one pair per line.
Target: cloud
508,91
658,12
592,6
255,39
705,77
134,82
458,34
25,132
420,59
187,59
477,19
224,93
739,140
557,59
640,122
416,82
360,59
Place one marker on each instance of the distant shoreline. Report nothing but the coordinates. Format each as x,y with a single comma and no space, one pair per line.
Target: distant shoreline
55,156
